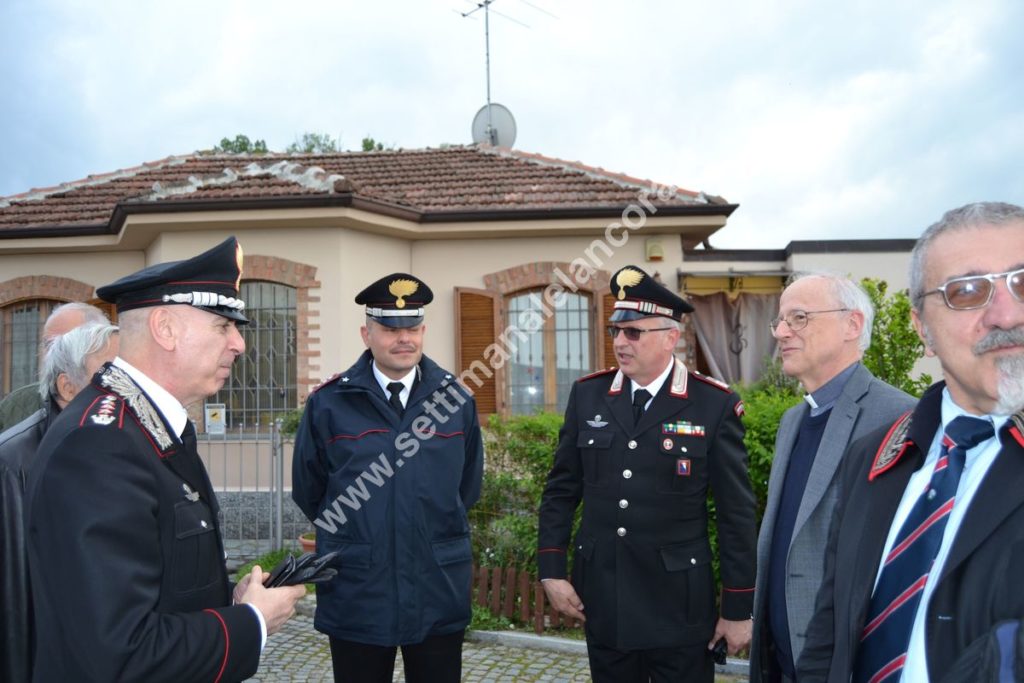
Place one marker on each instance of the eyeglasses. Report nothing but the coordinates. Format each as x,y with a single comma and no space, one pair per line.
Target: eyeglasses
797,320
632,333
975,291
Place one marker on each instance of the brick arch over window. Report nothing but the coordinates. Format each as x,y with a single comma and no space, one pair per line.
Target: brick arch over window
303,278
44,287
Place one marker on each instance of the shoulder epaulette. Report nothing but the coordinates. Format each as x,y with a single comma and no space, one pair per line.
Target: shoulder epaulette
894,445
712,381
599,373
104,411
327,381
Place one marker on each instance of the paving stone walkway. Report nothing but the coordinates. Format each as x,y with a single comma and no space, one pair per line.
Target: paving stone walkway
298,653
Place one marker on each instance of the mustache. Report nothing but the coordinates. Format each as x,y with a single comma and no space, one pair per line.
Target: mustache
999,338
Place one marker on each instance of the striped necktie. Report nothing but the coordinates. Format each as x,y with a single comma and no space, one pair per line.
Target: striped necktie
894,603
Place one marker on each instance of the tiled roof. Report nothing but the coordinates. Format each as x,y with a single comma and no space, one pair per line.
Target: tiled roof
426,182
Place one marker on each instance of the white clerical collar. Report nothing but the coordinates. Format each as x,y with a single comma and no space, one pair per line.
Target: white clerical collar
169,407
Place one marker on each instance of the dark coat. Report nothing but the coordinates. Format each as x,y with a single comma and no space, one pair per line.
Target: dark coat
391,494
865,404
18,447
127,564
980,583
642,558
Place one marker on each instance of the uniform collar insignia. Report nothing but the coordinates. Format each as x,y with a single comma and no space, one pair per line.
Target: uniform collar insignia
894,445
616,387
1017,431
118,381
679,378
597,422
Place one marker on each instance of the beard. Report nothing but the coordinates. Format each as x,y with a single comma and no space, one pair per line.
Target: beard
1011,385
1011,369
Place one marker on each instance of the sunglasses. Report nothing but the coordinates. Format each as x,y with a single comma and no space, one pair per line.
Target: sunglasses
632,333
975,291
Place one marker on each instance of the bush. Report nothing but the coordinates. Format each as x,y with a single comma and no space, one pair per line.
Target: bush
504,520
895,346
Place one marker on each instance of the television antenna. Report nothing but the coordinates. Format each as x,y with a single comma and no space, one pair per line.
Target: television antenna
494,123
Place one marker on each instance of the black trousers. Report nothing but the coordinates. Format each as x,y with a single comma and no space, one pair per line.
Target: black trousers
438,659
689,664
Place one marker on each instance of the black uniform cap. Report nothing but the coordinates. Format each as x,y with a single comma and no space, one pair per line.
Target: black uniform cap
396,300
208,281
638,295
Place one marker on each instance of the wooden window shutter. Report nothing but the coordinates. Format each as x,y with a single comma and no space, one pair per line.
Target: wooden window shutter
607,359
476,328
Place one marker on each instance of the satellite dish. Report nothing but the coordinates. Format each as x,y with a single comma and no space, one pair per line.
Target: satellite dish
494,125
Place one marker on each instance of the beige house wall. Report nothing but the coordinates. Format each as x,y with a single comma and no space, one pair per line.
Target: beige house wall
94,268
888,266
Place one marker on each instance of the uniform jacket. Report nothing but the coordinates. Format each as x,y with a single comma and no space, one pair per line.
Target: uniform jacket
17,451
980,583
865,404
126,561
642,558
391,493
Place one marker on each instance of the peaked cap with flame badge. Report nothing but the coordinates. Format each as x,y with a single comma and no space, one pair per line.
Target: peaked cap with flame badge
396,300
209,281
638,295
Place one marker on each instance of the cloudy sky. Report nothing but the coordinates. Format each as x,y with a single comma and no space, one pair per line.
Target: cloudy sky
822,119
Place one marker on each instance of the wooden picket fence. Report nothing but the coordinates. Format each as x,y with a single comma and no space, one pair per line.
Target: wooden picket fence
516,595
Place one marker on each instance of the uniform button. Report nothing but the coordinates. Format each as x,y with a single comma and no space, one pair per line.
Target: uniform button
590,443
693,560
632,445
683,449
202,523
626,474
623,503
621,531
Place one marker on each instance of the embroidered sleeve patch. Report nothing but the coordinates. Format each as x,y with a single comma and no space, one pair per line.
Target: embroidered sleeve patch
740,411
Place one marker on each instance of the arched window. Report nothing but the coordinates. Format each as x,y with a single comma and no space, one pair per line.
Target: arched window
21,330
263,381
547,359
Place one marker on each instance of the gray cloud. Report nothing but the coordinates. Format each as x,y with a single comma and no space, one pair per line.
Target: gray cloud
823,120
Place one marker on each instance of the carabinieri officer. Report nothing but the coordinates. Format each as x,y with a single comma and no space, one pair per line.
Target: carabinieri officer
388,458
125,554
640,447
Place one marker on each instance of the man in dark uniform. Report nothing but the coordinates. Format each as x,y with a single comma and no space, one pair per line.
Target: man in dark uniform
125,554
388,458
640,447
71,360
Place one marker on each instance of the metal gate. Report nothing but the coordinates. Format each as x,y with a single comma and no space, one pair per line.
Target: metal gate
250,472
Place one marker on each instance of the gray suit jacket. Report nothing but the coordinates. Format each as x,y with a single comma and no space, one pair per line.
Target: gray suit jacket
865,404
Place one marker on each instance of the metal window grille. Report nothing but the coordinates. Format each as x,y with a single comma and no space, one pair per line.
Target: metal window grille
262,384
21,328
547,358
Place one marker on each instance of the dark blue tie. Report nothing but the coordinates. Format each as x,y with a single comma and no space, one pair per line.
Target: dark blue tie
640,399
894,604
395,390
